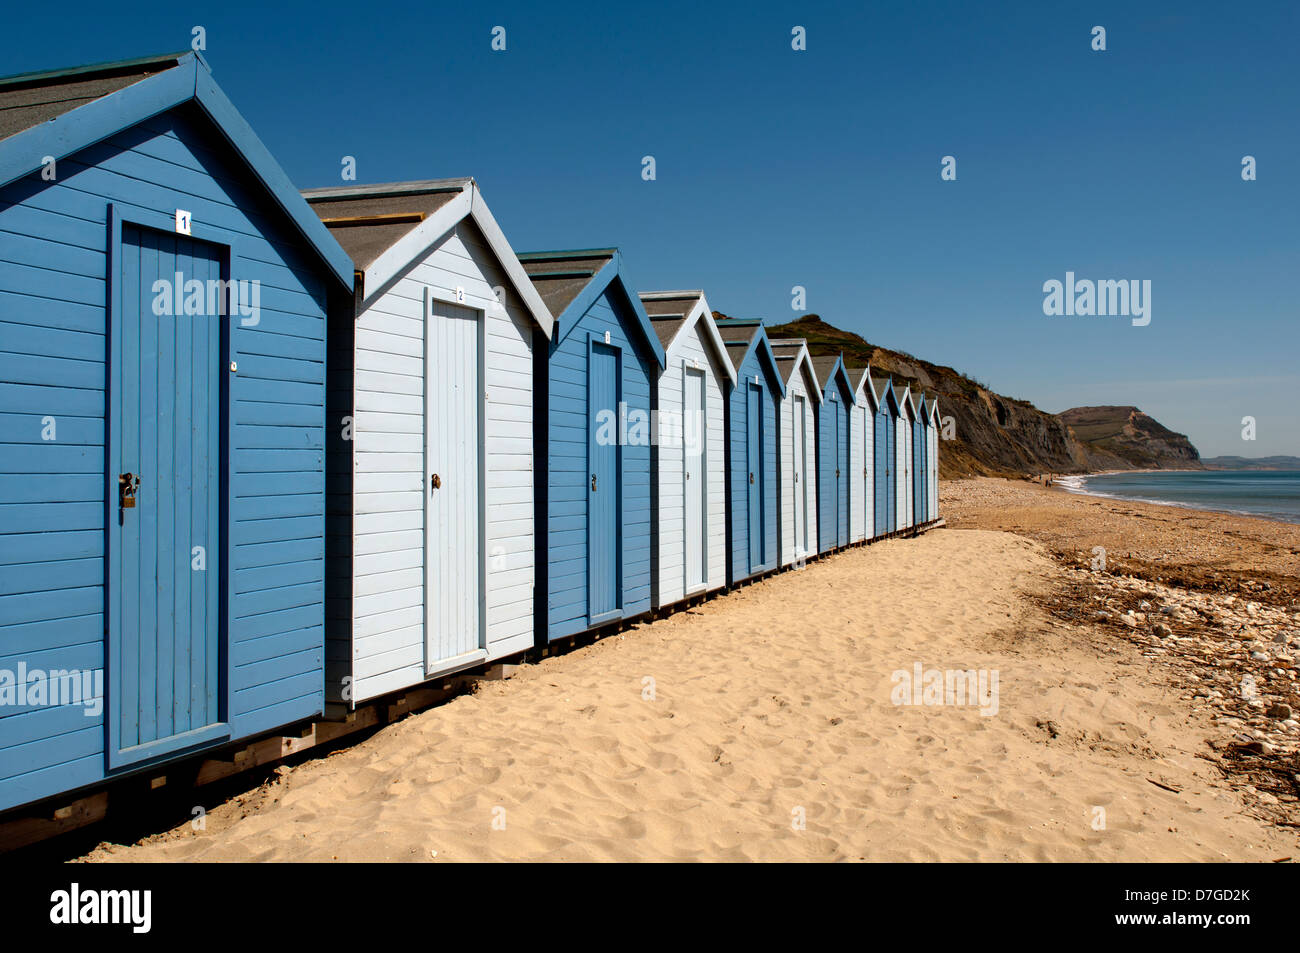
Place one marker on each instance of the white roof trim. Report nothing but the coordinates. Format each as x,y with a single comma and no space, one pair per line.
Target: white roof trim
802,360
906,402
867,387
700,309
415,244
510,262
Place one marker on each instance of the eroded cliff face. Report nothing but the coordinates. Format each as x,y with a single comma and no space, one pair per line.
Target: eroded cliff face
1135,438
989,434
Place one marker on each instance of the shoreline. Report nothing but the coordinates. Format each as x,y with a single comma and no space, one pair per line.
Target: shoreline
1060,482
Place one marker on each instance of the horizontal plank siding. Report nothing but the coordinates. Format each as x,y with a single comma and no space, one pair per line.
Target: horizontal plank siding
565,577
55,283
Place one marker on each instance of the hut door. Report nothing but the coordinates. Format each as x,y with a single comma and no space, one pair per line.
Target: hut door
842,473
754,474
918,472
602,491
165,510
696,503
881,465
868,504
453,514
799,436
835,477
891,470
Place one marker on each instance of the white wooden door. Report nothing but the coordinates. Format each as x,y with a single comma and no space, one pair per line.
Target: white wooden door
696,503
799,433
454,519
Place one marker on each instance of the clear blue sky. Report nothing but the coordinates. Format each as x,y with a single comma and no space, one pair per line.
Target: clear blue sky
821,168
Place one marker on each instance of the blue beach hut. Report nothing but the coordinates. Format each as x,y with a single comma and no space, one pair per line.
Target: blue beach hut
886,458
920,463
752,464
592,427
164,294
833,440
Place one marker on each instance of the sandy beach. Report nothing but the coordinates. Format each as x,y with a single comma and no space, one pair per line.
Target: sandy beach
767,724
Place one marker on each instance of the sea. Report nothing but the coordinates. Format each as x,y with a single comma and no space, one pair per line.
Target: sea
1273,494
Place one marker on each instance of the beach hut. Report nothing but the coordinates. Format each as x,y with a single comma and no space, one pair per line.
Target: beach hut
833,438
862,457
797,450
932,460
752,504
903,456
164,294
689,531
885,485
431,529
920,471
592,384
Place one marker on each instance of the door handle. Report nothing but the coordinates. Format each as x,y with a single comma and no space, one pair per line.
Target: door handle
127,486
435,482
751,479
593,483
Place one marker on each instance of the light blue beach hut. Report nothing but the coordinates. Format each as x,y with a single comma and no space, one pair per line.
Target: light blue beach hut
164,295
886,458
753,506
920,467
833,440
592,386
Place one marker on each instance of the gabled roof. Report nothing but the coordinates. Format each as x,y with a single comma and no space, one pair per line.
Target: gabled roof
860,378
59,113
904,398
831,366
672,313
885,394
387,227
791,357
745,335
569,282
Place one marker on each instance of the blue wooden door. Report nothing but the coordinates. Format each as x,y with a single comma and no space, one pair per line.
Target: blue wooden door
603,531
842,475
754,457
831,474
166,420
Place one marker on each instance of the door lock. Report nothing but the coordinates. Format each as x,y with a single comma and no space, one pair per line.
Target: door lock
593,483
127,486
751,479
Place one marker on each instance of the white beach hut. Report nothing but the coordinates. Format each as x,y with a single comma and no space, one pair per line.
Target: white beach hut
932,459
430,486
689,531
862,463
797,422
903,445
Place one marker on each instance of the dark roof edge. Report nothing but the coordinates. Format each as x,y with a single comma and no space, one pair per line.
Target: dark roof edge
78,73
